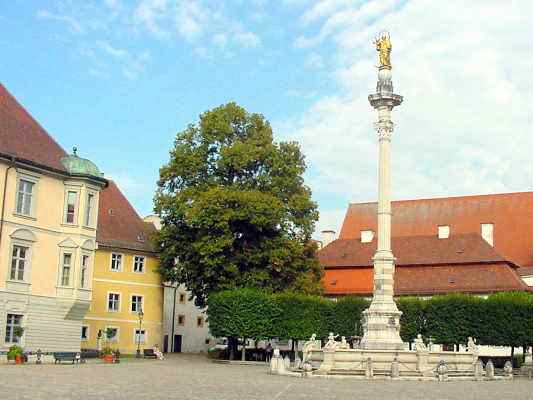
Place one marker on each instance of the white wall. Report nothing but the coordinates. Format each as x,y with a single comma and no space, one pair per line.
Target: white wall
193,337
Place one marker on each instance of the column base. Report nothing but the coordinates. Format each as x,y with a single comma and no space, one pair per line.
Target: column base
382,328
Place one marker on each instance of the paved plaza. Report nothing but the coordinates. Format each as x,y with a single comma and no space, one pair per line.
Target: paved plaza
193,377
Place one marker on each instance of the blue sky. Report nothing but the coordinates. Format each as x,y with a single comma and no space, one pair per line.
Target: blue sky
120,78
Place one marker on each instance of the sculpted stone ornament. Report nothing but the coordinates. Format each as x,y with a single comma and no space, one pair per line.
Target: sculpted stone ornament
344,344
308,347
419,344
384,47
331,344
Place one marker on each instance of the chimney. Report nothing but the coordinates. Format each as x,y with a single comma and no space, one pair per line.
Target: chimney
328,236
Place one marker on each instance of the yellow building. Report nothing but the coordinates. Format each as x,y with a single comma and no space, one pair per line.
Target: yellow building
48,204
125,280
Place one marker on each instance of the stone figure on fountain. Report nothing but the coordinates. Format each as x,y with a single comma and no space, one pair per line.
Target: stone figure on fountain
308,347
331,344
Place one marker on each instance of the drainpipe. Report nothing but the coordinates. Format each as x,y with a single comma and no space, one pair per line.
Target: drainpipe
12,164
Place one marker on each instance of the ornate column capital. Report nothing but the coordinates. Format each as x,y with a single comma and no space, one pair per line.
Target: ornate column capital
384,130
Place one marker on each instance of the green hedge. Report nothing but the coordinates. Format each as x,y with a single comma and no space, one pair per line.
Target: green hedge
501,319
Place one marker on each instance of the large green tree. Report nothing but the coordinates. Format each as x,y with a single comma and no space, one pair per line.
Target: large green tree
235,211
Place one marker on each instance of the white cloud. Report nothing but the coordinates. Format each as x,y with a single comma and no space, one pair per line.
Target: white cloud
72,23
220,39
247,39
112,51
314,61
464,126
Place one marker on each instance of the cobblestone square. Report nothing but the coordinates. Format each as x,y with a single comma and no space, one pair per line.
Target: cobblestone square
194,377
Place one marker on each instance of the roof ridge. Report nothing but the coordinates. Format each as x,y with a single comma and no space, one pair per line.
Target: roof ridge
452,197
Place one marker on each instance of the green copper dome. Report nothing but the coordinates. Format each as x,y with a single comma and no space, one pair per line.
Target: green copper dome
80,166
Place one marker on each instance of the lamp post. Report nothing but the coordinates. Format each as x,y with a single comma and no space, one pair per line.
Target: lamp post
140,314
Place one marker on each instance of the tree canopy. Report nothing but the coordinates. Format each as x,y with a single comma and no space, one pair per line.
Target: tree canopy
234,208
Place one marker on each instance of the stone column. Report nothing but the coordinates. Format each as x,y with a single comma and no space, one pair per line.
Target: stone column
382,318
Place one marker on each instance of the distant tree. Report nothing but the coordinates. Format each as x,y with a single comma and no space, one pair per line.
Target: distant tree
235,211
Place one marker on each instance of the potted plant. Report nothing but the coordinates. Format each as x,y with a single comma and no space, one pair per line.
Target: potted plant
107,354
15,353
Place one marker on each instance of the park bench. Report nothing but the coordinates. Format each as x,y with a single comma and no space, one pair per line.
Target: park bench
149,353
67,356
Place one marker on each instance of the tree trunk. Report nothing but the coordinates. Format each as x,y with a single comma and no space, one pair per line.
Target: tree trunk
243,349
293,356
512,356
231,347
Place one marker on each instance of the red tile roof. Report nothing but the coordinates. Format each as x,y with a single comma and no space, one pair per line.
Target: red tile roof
427,279
119,225
425,265
525,271
511,214
22,137
415,250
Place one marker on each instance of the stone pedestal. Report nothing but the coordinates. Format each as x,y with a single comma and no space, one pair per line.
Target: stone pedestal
381,321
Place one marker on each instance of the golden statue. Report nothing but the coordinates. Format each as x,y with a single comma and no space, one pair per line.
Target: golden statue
384,47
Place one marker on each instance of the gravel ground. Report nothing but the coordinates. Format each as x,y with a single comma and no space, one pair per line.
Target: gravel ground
194,377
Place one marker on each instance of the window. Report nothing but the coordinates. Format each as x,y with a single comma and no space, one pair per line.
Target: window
116,262
199,321
25,197
140,336
13,321
84,333
112,334
181,320
89,210
367,236
70,208
19,262
487,233
182,298
83,270
138,264
136,303
444,231
113,302
65,269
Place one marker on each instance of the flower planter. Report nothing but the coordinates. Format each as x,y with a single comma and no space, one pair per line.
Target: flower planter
108,358
19,359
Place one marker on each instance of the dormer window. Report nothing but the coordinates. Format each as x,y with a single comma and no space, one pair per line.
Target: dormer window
367,236
140,237
487,233
444,231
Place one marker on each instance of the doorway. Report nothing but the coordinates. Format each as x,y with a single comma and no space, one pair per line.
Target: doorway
177,344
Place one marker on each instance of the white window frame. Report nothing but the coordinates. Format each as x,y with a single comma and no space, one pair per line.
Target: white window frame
121,262
135,256
70,189
22,176
87,331
443,231
367,236
27,260
89,220
71,270
145,336
203,321
116,337
87,271
4,333
119,302
131,303
485,235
